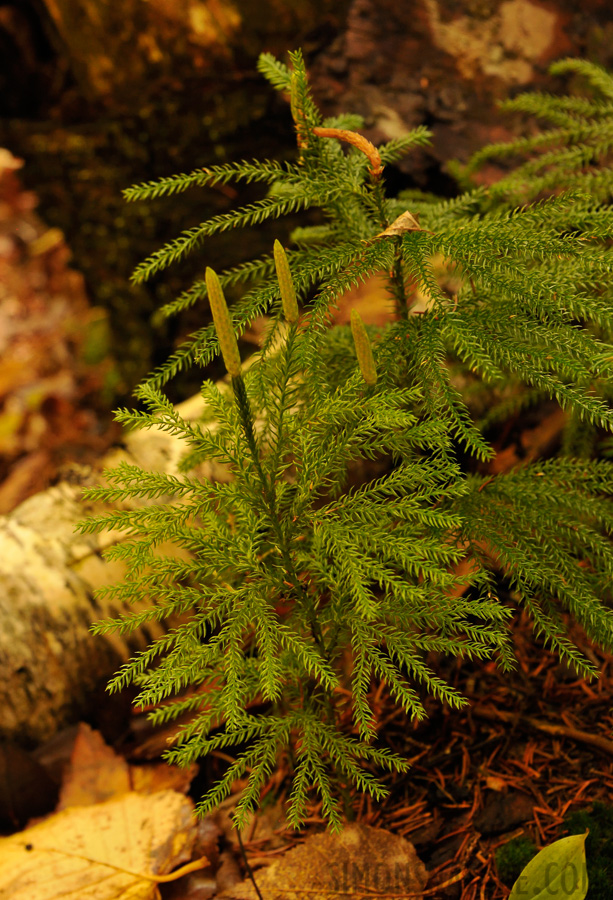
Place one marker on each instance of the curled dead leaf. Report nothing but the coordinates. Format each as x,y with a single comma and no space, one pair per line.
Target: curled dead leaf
405,222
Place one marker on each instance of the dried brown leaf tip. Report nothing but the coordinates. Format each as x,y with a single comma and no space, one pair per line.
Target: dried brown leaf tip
405,222
357,140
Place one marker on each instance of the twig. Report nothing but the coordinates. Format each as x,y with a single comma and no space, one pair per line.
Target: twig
596,740
247,866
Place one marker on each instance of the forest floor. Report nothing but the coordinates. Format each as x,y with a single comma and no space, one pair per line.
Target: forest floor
529,750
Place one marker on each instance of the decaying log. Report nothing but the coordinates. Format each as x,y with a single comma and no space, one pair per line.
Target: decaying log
50,663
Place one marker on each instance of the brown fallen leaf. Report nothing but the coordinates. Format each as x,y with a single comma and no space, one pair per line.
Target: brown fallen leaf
360,860
54,351
535,442
26,788
96,773
118,850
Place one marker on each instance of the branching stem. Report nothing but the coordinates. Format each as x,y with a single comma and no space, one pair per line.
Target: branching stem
270,500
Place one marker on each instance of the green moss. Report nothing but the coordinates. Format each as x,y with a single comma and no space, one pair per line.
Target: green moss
598,819
513,857
97,342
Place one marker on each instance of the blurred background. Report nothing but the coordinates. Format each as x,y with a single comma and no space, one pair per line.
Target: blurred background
95,96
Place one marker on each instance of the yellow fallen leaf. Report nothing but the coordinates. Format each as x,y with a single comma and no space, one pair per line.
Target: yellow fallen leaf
117,850
372,300
161,776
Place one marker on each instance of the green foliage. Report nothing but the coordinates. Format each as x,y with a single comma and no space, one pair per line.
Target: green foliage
558,870
306,587
597,823
574,154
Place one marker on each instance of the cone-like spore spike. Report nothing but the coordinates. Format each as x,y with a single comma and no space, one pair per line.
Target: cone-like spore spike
223,324
363,349
286,285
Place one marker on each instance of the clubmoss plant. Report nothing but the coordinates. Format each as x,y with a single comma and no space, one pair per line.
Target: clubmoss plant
304,589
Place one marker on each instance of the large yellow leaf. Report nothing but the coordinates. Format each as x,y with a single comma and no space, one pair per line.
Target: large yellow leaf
111,851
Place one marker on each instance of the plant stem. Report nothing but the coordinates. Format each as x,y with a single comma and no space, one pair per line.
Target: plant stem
379,199
244,407
247,866
397,275
289,346
397,282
